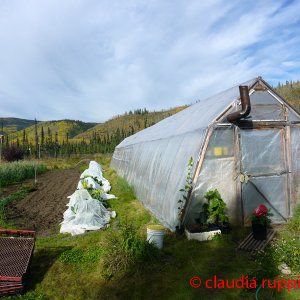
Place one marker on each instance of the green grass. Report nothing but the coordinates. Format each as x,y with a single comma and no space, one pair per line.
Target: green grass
294,223
110,265
81,162
18,171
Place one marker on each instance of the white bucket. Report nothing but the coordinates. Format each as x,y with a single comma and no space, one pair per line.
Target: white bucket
155,235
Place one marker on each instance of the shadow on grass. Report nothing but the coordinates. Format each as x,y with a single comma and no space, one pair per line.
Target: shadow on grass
169,277
41,262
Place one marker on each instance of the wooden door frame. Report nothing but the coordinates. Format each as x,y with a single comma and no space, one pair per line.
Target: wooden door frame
287,162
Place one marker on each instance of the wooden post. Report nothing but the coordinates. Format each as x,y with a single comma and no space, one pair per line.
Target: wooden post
238,171
289,168
197,172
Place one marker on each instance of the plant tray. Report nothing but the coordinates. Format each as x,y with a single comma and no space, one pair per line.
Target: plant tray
16,249
251,244
202,236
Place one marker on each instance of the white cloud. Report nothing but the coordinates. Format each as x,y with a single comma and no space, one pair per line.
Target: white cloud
92,59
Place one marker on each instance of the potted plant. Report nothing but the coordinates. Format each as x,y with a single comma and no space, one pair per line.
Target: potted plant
260,220
212,220
215,211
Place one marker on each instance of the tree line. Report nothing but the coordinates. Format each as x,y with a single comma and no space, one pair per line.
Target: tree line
47,145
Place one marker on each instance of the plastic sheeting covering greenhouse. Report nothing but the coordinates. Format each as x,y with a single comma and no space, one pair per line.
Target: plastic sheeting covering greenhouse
250,162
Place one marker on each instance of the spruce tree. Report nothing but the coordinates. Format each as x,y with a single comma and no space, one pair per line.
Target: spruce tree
36,138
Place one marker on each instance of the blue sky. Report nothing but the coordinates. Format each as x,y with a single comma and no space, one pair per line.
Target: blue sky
93,59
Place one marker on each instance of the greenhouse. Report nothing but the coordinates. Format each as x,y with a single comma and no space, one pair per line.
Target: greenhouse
245,142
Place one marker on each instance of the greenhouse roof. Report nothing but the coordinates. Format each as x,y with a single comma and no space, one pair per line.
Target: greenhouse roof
198,116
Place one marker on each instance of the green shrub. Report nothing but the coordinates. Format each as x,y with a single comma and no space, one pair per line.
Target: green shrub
18,171
124,248
287,250
267,261
12,153
136,246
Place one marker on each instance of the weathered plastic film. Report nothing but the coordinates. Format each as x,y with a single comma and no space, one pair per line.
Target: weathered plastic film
217,172
157,171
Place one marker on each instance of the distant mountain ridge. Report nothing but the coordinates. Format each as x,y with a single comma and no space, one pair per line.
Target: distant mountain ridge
10,125
63,138
60,130
111,131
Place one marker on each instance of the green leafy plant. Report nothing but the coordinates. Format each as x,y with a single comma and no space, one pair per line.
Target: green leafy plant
97,194
215,209
86,185
187,187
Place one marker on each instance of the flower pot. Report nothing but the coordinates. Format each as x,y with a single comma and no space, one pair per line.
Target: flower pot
214,226
179,231
259,231
224,227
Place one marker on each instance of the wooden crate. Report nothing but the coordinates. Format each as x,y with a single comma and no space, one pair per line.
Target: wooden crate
250,244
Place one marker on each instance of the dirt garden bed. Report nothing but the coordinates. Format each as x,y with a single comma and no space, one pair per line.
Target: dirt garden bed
43,209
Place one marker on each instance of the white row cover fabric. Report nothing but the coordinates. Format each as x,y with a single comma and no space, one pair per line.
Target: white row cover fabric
95,172
85,213
91,183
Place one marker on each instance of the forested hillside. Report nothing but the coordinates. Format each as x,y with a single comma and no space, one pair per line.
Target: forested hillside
10,125
290,92
67,137
127,124
59,131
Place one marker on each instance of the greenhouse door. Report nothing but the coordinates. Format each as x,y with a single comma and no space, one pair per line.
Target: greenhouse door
264,176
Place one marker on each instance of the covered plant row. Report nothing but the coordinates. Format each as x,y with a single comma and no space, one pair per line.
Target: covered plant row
87,208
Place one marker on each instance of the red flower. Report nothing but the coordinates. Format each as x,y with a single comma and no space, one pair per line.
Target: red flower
260,210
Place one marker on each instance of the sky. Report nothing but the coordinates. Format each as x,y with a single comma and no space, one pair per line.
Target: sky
93,59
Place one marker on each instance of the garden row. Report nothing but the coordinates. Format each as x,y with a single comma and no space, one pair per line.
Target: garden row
18,171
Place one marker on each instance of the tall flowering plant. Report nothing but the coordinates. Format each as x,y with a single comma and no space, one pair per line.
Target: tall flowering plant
261,215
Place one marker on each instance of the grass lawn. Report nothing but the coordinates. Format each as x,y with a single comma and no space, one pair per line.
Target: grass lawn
93,266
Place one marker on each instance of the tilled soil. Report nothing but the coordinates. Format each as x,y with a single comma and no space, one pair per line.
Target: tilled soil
43,209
